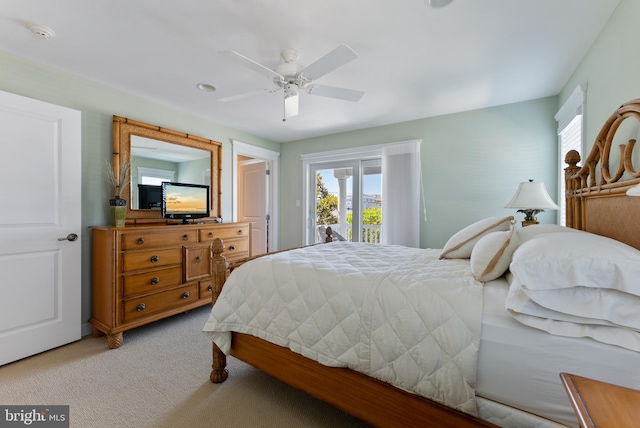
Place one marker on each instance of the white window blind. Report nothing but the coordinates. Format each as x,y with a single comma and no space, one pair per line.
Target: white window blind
570,131
570,139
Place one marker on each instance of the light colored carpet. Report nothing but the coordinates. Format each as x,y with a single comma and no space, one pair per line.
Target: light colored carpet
160,378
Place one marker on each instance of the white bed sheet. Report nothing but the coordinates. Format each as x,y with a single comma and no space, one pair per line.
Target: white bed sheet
519,366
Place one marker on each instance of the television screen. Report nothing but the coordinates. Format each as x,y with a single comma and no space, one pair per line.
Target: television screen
149,197
185,201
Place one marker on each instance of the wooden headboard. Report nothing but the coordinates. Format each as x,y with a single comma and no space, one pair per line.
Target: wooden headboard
596,192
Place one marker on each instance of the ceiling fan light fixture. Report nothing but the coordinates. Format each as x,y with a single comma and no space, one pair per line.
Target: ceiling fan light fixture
291,101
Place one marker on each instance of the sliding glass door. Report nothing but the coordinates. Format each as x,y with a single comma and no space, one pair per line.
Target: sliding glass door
366,194
346,196
330,196
371,201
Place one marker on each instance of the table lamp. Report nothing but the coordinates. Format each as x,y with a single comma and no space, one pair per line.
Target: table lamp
531,198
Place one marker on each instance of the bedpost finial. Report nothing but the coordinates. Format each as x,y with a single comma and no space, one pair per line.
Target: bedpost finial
572,158
329,233
218,246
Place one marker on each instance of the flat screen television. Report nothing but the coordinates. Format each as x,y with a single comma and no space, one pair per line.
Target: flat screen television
181,201
149,197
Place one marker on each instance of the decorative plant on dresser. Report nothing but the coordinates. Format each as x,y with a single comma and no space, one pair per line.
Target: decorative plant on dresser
145,273
118,181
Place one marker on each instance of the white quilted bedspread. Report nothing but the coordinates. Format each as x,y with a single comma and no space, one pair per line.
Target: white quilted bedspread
395,313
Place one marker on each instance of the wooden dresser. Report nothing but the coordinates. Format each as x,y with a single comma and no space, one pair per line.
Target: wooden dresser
141,274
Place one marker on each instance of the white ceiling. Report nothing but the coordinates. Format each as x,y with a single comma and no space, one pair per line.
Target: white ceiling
413,61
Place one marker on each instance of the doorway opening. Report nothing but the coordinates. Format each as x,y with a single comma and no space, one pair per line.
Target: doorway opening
255,194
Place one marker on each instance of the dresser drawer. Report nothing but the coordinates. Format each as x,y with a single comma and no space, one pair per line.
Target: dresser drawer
143,240
134,260
236,248
141,307
224,232
206,288
151,281
197,262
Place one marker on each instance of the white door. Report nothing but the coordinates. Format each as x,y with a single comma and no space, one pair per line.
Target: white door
40,305
252,199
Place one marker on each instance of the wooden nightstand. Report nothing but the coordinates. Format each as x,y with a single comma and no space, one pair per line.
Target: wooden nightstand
600,404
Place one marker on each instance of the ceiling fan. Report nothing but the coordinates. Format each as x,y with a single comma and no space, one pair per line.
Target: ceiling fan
292,77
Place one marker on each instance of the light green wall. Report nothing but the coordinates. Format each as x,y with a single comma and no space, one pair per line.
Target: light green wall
472,163
193,172
611,69
98,103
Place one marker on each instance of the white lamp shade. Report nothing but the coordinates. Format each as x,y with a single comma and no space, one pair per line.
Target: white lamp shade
532,195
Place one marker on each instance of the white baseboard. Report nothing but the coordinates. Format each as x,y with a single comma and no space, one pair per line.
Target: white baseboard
85,329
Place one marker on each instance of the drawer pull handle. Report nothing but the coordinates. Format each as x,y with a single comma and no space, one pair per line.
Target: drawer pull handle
140,241
198,259
141,307
185,295
239,231
185,237
209,288
155,280
232,247
154,259
210,234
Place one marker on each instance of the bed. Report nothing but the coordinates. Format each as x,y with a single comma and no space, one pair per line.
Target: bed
509,310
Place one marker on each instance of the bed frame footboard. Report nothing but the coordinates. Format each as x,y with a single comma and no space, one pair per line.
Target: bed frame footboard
220,268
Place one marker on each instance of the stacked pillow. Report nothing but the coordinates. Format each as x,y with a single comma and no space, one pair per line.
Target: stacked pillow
578,284
581,274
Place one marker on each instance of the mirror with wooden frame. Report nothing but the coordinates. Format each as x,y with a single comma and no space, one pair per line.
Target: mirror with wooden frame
158,154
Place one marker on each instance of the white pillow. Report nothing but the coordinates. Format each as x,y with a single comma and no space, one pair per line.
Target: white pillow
529,232
491,255
561,260
460,245
581,274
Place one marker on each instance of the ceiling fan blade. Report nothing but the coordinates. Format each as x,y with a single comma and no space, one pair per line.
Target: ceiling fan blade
333,92
259,68
334,59
246,95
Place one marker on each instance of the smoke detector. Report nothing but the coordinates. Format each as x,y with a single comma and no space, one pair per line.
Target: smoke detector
438,3
205,87
41,31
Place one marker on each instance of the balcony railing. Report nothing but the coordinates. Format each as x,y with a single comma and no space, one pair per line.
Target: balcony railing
371,233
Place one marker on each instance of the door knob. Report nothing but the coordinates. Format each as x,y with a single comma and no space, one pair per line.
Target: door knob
70,237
